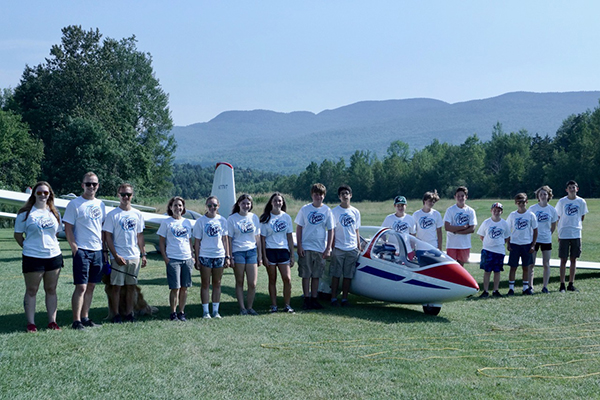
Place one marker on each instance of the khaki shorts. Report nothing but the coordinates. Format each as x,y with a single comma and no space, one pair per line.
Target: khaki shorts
343,263
121,275
311,265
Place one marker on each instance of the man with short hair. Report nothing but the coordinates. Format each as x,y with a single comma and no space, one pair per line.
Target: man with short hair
83,227
123,234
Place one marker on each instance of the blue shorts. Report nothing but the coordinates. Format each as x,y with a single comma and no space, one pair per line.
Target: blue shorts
520,252
87,266
491,262
179,273
278,256
32,264
209,262
245,257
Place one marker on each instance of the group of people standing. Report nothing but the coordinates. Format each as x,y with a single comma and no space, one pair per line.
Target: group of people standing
244,241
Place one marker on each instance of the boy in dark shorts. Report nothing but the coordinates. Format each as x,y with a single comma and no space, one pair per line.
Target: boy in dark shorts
523,237
495,234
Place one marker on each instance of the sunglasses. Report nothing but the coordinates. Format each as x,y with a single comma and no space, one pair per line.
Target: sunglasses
44,192
88,184
212,205
125,194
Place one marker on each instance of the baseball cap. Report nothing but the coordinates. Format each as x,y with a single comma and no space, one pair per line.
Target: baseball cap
497,204
400,200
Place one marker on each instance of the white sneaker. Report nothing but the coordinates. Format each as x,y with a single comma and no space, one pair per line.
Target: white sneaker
206,315
216,315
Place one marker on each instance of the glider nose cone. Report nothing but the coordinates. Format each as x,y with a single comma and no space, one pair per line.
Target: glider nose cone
453,273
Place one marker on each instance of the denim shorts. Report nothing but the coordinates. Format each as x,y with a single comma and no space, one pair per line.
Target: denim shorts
245,257
87,266
179,273
209,262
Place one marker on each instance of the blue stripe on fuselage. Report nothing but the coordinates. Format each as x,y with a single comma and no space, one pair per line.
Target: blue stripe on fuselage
397,278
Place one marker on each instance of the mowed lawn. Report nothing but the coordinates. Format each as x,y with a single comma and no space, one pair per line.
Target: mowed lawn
541,346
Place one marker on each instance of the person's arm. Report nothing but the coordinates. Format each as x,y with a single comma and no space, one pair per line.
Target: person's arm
19,238
535,235
552,228
263,246
142,246
70,237
290,239
439,238
108,238
327,251
481,237
162,242
228,260
299,240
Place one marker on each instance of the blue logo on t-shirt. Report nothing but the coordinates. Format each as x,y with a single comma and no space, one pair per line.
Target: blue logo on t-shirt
571,209
400,226
315,218
461,219
178,230
346,220
212,229
426,223
494,232
245,226
521,223
44,222
542,216
128,223
278,225
93,212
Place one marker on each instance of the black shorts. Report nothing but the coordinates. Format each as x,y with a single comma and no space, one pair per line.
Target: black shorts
543,246
32,264
569,248
278,256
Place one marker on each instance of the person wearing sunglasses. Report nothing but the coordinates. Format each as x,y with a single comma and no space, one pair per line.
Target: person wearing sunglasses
123,234
210,251
37,224
83,227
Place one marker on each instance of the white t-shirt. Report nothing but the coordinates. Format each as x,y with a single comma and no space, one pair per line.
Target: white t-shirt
211,231
125,226
545,217
570,213
87,217
347,221
521,227
177,233
243,231
40,231
276,230
427,225
404,225
315,223
494,235
457,216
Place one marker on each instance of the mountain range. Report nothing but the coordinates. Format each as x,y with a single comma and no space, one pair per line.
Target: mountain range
287,142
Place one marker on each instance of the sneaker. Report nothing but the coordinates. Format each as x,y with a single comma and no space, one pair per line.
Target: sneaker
181,316
545,290
206,316
314,304
496,293
335,303
78,326
252,312
273,309
527,292
31,328
345,303
130,318
117,319
484,295
307,304
88,323
53,326
562,288
243,311
216,315
288,310
173,316
571,288
510,292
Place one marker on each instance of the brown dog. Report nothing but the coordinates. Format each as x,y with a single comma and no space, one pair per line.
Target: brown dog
140,306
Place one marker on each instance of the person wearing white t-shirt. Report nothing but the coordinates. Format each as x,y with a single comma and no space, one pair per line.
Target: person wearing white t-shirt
494,232
123,232
546,216
211,249
175,243
429,221
571,211
523,237
277,242
243,231
314,234
460,221
346,247
400,221
83,227
39,221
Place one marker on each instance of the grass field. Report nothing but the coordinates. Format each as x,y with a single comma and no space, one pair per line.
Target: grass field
520,347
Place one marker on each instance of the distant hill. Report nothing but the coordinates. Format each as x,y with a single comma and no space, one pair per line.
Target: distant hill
288,142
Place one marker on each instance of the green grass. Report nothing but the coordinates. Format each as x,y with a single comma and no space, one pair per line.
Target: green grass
526,347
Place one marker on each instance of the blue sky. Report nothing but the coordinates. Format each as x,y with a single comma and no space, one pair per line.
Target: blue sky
214,56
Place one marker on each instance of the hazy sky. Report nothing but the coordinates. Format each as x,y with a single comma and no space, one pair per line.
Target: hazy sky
214,56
